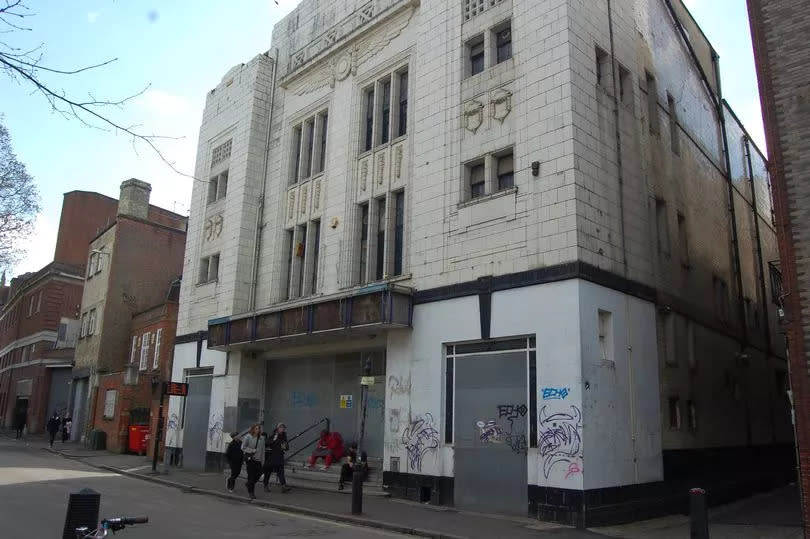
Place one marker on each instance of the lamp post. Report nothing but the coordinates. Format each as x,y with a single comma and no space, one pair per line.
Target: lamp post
359,465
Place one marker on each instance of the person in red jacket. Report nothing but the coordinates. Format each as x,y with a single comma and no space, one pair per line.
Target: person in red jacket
330,447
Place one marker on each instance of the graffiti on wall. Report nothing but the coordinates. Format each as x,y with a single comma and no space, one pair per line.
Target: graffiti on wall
489,432
215,431
560,439
419,437
399,385
393,420
555,393
374,403
303,399
512,412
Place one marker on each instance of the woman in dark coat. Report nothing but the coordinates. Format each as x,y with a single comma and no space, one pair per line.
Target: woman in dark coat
274,448
235,457
53,427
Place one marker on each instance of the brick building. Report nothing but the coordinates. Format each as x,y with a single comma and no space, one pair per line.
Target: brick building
132,396
535,223
779,30
39,318
131,266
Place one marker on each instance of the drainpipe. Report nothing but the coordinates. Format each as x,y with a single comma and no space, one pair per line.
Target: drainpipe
257,240
619,163
762,289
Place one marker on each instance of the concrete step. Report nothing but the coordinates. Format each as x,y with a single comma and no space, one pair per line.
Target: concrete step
331,486
329,476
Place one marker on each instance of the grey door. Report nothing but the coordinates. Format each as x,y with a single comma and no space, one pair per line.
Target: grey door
490,433
80,391
374,436
195,423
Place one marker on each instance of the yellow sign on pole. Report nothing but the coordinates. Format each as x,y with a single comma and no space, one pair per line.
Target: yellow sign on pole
367,381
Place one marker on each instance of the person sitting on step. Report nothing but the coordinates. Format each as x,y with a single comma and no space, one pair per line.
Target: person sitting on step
347,470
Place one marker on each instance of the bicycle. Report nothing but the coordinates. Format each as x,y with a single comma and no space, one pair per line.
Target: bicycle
109,524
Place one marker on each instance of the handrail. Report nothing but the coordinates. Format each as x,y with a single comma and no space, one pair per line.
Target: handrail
309,428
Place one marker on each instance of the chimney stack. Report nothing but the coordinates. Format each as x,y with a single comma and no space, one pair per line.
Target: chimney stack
134,199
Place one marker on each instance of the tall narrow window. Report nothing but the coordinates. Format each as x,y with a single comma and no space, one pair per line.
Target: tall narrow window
503,44
363,242
83,329
385,124
290,249
668,338
602,68
506,172
605,335
691,410
156,358
203,275
369,119
213,188
674,413
322,156
674,137
213,268
310,137
133,352
222,188
662,225
144,352
399,230
652,103
296,154
316,250
402,127
476,51
300,252
625,86
683,241
380,270
477,181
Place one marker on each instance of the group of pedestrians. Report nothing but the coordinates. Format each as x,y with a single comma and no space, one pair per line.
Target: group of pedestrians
262,454
58,424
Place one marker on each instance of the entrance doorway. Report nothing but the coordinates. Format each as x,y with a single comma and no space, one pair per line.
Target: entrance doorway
195,418
491,424
301,392
20,410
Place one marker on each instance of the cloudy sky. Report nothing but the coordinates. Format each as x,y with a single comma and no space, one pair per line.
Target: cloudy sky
177,51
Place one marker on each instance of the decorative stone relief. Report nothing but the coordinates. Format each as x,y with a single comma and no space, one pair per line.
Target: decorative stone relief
363,175
304,199
365,49
213,227
473,115
398,162
291,205
316,195
380,168
501,104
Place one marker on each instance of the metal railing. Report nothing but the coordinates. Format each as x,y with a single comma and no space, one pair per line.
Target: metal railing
309,428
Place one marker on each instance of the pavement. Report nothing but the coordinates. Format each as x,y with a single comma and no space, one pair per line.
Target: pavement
774,515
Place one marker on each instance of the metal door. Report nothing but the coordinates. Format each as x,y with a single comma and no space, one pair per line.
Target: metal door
80,395
195,423
490,432
374,434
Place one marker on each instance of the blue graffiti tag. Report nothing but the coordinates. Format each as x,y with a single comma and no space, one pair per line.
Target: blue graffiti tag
555,393
375,404
303,399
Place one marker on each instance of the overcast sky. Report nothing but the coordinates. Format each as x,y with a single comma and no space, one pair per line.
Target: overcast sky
180,50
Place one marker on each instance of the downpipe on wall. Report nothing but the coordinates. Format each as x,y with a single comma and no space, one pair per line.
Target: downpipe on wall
257,240
619,162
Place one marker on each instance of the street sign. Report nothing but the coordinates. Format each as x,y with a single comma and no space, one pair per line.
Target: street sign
176,389
367,381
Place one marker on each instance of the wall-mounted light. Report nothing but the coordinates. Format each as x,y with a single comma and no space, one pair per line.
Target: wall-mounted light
535,168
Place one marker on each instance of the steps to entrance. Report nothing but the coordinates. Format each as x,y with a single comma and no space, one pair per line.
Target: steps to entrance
299,475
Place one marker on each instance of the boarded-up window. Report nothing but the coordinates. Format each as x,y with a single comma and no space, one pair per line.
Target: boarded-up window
109,403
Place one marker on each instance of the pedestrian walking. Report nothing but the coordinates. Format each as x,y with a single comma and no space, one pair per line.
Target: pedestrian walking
53,427
19,424
275,446
67,424
253,447
235,457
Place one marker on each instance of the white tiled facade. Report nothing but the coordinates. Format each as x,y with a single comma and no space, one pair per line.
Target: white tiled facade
575,200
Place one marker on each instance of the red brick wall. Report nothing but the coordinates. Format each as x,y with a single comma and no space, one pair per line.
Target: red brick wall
779,29
84,215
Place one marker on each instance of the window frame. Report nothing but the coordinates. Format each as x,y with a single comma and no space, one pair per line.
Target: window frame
110,404
156,353
475,55
143,363
503,50
497,158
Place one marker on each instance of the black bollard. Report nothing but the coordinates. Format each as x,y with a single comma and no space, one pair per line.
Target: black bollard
82,511
357,488
698,514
